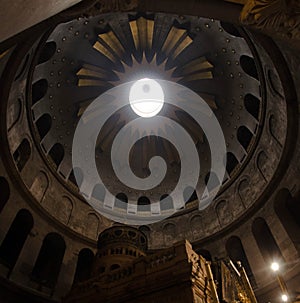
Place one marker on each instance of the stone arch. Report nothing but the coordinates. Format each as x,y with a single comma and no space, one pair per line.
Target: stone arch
15,238
262,165
196,224
121,200
275,129
22,154
224,212
49,261
99,192
64,209
40,186
236,253
4,192
15,110
244,192
145,230
166,202
84,265
287,210
265,241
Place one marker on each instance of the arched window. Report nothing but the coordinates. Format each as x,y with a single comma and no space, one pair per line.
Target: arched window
22,154
236,252
231,162
265,241
15,238
249,67
57,153
49,260
143,203
84,265
214,181
99,192
43,125
4,192
145,230
121,198
76,176
189,194
166,202
244,136
252,105
287,210
39,90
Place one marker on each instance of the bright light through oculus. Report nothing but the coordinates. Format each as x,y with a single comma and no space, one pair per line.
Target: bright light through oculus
146,97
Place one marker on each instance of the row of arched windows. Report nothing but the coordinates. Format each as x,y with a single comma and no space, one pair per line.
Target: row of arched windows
48,264
49,261
287,209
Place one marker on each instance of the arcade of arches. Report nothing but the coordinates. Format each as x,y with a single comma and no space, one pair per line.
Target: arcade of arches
240,56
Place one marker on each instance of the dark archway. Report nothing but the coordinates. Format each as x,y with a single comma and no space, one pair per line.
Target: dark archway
214,181
15,238
166,202
143,203
57,153
189,194
265,241
4,192
121,198
22,154
287,210
236,253
84,265
49,260
244,136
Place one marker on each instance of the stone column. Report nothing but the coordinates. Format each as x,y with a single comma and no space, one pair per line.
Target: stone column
258,265
67,271
27,258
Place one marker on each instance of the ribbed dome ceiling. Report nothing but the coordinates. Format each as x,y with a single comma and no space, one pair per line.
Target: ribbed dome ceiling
82,59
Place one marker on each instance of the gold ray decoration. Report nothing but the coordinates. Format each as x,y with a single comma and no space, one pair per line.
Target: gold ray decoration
113,43
92,75
92,82
182,46
142,33
92,71
152,67
104,51
197,69
173,38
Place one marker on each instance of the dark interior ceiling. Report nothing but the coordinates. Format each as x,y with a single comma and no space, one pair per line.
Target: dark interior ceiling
82,59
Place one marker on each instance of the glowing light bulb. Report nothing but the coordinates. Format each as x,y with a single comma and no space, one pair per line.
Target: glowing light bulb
146,97
275,266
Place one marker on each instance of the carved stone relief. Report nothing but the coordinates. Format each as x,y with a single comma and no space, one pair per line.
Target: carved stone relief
64,210
224,213
39,186
281,17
